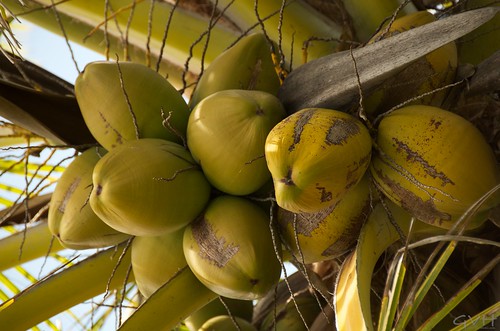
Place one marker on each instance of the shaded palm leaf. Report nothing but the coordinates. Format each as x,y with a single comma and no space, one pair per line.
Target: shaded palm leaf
41,102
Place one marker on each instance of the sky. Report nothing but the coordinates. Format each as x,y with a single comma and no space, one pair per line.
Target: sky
51,52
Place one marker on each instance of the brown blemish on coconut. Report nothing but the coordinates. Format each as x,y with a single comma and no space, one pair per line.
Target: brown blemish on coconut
305,223
325,195
213,249
414,157
425,211
435,123
303,119
340,131
259,111
67,195
353,175
107,125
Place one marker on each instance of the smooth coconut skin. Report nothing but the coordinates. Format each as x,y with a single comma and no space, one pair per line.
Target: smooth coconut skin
155,259
316,156
124,101
148,187
226,135
230,249
433,163
70,218
247,65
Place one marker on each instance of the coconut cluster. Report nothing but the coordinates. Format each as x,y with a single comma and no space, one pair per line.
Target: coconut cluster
177,178
230,185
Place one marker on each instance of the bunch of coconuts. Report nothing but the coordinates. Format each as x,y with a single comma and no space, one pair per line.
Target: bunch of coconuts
181,178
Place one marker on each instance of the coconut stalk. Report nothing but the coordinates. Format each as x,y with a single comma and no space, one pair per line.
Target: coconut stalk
26,245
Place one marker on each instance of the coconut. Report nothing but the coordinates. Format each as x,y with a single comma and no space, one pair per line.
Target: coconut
419,79
156,259
246,65
231,250
122,101
226,135
70,217
331,232
148,187
316,156
434,163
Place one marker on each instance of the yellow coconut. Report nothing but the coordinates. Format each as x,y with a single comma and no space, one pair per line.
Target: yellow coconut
329,233
433,163
316,156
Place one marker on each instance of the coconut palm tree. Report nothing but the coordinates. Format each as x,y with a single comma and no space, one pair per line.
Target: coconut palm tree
42,131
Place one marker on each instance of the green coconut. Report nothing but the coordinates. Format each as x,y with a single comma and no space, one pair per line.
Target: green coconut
70,218
226,135
231,250
156,259
148,187
122,101
247,65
